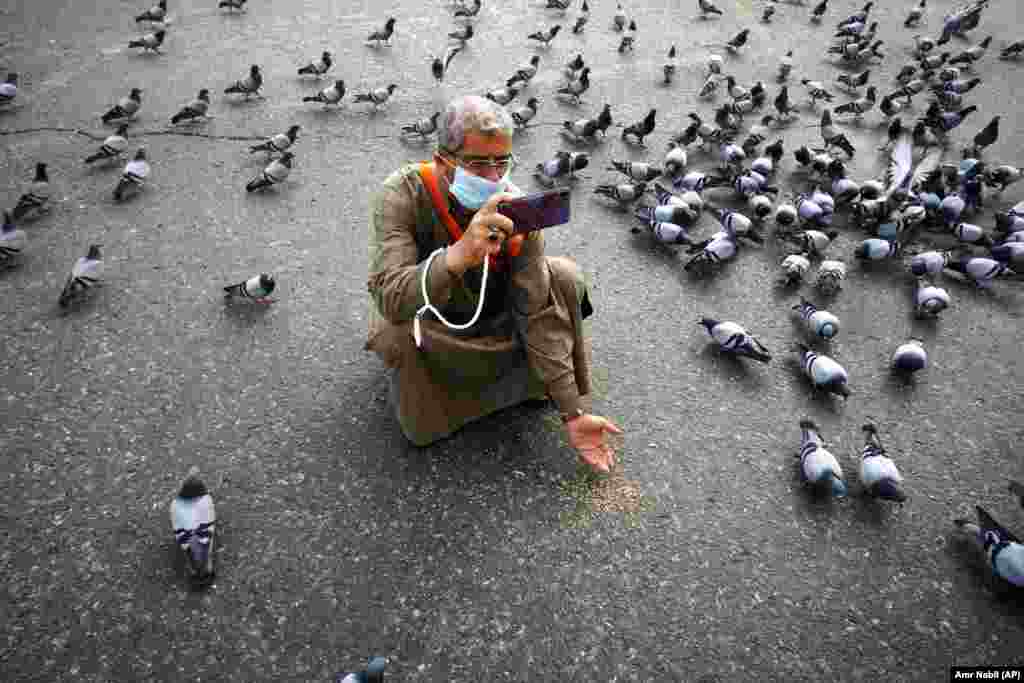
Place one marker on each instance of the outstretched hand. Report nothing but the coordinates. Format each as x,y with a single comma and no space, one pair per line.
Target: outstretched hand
588,435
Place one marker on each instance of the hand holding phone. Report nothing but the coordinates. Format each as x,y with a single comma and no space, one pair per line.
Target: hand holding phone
537,211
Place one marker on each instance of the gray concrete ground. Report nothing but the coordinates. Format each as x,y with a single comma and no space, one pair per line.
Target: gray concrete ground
487,556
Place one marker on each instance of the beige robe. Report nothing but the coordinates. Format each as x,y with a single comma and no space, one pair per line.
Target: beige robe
530,344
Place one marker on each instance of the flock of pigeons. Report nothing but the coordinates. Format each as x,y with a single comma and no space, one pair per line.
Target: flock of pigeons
920,191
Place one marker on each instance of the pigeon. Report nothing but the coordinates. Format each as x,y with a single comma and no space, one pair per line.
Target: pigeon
765,165
669,68
560,5
832,137
816,91
738,41
277,143
986,137
505,94
782,104
709,87
915,15
1010,253
36,201
374,673
332,94
818,322
619,18
732,338
624,193
150,41
563,164
768,13
830,276
890,108
794,267
972,54
931,63
9,89
275,172
714,64
581,20
824,372
377,96
384,35
86,272
785,67
523,115
910,357
134,175
250,85
982,271
572,68
875,249
196,109
256,289
736,92
854,29
319,67
858,17
1003,551
707,8
588,128
627,40
666,232
641,129
854,82
1017,489
878,473
155,13
112,147
785,216
193,520
635,170
964,20
12,240
423,127
906,74
722,246
231,4
861,106
1002,176
971,234
126,107
545,38
463,12
929,263
526,72
946,121
1013,50
818,467
675,159
819,11
577,87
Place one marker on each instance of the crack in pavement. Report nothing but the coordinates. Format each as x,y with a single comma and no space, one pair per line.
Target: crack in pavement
236,138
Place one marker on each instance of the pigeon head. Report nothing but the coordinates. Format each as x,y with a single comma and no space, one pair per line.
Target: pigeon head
160,34
140,155
326,56
558,27
392,88
254,70
535,60
579,161
802,155
204,94
12,78
94,252
839,388
8,221
837,485
985,43
761,206
135,93
785,215
872,93
286,159
967,111
267,283
390,23
708,323
532,103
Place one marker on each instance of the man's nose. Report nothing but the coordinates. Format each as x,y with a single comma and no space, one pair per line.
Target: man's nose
491,173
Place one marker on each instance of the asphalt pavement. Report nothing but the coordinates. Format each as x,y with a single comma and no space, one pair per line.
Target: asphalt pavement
489,556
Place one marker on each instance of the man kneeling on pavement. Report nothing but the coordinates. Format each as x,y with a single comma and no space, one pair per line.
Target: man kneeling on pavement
439,220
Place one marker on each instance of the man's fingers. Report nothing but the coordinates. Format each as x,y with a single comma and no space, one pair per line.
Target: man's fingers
491,205
610,426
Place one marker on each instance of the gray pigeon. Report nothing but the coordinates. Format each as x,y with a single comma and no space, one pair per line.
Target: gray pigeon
85,274
192,519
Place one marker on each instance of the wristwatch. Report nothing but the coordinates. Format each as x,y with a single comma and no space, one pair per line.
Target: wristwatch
569,417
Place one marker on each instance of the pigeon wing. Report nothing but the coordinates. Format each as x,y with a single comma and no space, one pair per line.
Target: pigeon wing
927,166
900,163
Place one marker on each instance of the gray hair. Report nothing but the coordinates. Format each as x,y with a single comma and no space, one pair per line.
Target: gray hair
468,114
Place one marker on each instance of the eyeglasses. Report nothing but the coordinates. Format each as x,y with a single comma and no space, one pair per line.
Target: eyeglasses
480,165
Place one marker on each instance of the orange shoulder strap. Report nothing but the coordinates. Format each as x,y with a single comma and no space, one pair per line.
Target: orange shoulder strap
440,206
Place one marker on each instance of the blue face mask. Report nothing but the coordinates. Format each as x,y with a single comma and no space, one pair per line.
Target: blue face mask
473,191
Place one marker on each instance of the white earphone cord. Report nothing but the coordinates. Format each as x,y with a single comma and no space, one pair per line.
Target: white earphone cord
427,306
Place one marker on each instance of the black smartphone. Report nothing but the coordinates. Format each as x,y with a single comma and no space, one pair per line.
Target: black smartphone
537,211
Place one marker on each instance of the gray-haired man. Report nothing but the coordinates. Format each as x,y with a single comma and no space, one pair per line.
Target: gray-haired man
431,227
